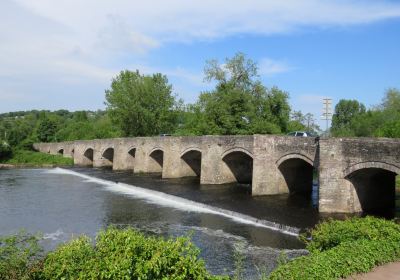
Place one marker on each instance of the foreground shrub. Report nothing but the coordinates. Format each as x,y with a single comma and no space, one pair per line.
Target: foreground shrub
19,256
332,233
342,248
126,254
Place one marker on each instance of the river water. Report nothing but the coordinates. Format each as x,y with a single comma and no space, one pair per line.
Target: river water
223,220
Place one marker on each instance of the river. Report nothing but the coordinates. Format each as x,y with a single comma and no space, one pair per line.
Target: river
223,220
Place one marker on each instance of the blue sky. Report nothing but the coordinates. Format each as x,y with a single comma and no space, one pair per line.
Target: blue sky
63,54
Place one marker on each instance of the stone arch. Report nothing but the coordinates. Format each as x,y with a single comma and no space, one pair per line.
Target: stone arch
240,163
131,158
157,156
192,158
371,164
132,151
293,156
374,186
237,149
108,154
60,151
297,171
88,154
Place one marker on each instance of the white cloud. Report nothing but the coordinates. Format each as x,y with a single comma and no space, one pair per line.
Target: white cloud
270,67
79,41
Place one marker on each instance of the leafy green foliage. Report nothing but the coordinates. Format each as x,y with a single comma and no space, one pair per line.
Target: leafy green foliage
126,254
239,104
332,233
343,248
46,130
345,111
24,157
141,105
117,254
351,118
19,256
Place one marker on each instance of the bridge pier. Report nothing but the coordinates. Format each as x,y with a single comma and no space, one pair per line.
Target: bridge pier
125,154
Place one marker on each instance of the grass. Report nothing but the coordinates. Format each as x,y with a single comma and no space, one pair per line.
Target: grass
398,182
30,158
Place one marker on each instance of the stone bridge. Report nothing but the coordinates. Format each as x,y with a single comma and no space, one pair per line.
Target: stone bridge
355,174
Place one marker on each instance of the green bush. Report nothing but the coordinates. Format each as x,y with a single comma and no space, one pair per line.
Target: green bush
342,248
332,233
19,256
126,254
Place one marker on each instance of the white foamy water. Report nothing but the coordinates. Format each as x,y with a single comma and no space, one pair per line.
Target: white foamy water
53,235
167,200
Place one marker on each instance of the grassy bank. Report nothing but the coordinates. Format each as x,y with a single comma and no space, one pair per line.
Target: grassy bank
339,249
398,182
31,158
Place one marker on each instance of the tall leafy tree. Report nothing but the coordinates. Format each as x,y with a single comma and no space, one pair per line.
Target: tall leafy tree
345,112
239,104
141,105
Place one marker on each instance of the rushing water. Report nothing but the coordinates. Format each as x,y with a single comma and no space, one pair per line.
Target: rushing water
222,219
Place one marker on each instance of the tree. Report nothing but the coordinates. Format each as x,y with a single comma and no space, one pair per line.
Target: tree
391,100
46,130
345,112
141,105
239,104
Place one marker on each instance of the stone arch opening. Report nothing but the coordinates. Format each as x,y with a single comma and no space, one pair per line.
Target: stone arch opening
157,156
298,173
193,159
375,189
108,154
131,158
60,151
240,164
88,154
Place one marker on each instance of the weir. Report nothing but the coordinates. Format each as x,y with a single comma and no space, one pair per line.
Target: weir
354,174
160,198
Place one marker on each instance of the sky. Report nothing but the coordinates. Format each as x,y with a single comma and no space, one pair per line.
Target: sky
64,54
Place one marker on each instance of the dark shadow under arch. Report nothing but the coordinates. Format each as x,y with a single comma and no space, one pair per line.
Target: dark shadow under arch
241,166
61,151
89,154
132,152
193,159
298,175
108,154
158,156
376,190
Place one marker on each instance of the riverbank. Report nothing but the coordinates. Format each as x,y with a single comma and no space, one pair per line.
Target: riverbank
25,158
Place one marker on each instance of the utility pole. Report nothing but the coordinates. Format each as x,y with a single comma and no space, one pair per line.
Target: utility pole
327,111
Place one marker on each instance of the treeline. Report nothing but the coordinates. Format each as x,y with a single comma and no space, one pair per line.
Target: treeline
144,105
352,119
19,130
